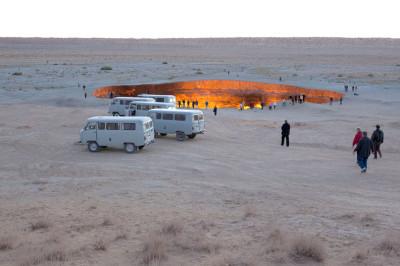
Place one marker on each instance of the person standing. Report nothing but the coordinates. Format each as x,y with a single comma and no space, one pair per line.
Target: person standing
285,133
183,103
206,104
215,110
377,140
364,149
341,100
179,104
357,137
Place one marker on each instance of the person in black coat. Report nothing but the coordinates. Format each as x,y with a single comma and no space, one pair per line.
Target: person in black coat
364,149
285,133
377,140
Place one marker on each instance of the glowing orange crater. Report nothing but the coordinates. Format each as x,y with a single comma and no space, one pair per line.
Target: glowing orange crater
223,93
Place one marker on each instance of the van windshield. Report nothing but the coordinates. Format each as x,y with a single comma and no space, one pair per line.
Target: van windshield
148,125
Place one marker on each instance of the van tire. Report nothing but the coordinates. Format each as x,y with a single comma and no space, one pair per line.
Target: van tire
93,146
141,147
192,136
115,114
163,134
130,148
180,136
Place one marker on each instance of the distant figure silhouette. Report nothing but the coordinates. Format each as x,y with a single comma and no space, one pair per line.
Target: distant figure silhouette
285,133
215,110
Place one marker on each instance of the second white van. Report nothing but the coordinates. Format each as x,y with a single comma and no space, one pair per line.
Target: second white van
119,105
138,108
180,122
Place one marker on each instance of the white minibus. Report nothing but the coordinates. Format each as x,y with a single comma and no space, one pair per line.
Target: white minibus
142,108
119,105
160,98
180,122
129,133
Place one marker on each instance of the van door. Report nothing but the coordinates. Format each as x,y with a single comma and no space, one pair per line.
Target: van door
89,133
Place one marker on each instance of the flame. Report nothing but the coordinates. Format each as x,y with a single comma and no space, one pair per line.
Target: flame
223,93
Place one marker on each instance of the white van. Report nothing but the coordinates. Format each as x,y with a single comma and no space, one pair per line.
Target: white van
129,133
180,122
142,108
119,105
160,98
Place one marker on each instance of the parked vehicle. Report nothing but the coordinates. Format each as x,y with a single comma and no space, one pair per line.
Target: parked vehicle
180,122
142,108
160,98
129,133
119,105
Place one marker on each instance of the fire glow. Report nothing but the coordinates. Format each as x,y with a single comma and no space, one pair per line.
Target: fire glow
223,93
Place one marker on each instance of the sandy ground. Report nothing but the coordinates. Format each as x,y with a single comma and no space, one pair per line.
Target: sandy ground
232,196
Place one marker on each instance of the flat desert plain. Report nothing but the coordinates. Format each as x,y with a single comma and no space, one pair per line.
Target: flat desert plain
233,196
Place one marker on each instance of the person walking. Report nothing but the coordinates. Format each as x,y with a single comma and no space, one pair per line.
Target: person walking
215,110
364,149
285,133
341,100
179,104
206,104
377,140
357,137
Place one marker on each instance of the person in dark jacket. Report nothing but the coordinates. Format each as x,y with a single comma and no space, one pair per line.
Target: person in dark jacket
364,149
285,133
377,140
215,110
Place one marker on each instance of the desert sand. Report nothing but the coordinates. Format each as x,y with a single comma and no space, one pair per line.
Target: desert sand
232,196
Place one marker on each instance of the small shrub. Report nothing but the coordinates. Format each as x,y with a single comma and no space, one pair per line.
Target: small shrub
6,243
17,74
360,256
165,63
153,250
303,248
40,225
172,228
106,68
56,255
370,75
199,72
340,75
389,246
398,65
106,222
100,245
249,211
121,236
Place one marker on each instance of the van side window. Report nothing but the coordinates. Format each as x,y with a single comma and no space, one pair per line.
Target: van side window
121,102
146,107
101,125
201,117
129,126
166,116
138,107
158,115
180,117
160,100
112,126
196,117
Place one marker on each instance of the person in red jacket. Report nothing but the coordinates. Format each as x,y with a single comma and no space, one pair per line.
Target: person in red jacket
357,137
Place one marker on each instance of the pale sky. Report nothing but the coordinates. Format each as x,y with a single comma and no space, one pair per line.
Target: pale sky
200,18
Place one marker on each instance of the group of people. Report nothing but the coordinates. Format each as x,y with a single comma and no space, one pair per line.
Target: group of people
364,146
188,104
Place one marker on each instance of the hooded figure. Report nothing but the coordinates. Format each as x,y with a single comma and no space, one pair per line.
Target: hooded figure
364,149
285,133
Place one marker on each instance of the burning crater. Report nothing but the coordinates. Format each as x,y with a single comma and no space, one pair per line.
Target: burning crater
223,93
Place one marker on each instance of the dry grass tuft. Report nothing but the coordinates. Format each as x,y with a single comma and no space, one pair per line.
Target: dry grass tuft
154,251
277,241
100,245
172,228
106,222
389,247
53,256
38,225
121,236
106,68
232,261
249,211
360,256
306,248
196,242
6,243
